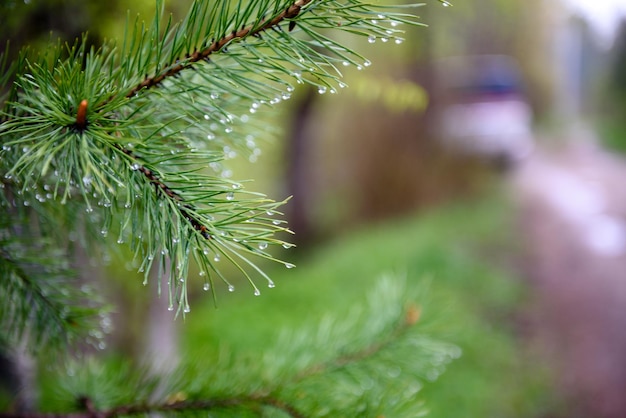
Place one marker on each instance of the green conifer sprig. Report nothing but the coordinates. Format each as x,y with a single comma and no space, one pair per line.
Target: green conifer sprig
40,299
130,129
374,361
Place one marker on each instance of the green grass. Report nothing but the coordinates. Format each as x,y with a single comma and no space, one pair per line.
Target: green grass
455,253
613,134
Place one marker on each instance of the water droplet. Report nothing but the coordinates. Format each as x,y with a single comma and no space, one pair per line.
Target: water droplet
244,118
228,130
170,308
367,63
394,23
120,240
206,117
381,16
371,39
342,85
384,39
89,209
231,288
206,287
230,196
127,205
359,67
217,257
276,222
374,22
202,273
289,265
6,147
186,309
345,63
332,91
398,41
210,137
321,90
134,167
445,4
104,232
290,89
214,96
270,284
262,245
286,96
287,245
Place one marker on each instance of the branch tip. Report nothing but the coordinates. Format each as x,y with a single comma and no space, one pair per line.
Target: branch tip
219,44
81,115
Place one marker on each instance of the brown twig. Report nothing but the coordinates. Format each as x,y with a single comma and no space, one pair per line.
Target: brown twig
161,187
398,331
173,70
203,54
179,406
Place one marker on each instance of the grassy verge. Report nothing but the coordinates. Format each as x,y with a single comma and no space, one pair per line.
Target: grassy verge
470,300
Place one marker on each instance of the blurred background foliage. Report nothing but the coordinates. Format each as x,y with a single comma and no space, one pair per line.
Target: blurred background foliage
370,153
330,160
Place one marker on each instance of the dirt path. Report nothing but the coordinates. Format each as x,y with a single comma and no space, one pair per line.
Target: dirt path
573,215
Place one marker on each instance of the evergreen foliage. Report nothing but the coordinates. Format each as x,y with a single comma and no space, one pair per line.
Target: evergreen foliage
132,139
371,362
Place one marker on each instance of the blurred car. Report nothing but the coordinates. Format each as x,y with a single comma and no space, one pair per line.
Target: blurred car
483,109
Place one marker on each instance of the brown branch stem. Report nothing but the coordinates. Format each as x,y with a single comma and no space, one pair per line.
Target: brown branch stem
203,54
400,329
163,188
179,406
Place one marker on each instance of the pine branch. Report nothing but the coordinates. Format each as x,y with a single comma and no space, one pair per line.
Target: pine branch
161,187
371,362
252,30
94,124
172,407
400,329
40,299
